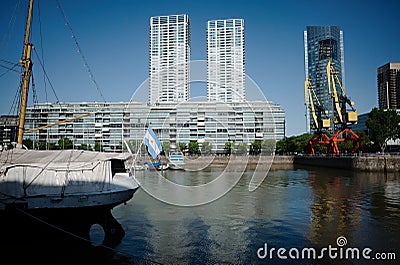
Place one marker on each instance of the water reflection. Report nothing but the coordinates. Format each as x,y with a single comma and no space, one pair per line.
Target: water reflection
294,207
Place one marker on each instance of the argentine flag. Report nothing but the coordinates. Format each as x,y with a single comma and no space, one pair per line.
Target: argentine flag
153,144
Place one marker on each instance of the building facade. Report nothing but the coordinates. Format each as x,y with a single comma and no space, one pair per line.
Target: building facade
8,130
169,59
389,86
323,44
109,124
225,60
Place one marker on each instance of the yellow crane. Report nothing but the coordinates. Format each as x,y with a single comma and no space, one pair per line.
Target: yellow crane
319,123
317,110
342,116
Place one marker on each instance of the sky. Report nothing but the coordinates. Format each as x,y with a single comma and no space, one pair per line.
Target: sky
113,36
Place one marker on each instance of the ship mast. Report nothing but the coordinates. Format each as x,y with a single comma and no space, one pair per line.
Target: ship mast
26,76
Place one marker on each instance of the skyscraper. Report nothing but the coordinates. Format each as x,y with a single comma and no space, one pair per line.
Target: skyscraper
321,44
389,86
225,60
169,59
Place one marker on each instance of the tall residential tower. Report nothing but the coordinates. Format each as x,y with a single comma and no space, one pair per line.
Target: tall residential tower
225,60
389,86
169,59
323,44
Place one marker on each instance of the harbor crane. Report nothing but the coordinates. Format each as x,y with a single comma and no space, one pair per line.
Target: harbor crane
320,120
342,115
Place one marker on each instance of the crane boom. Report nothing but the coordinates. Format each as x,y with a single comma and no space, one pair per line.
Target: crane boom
341,114
316,109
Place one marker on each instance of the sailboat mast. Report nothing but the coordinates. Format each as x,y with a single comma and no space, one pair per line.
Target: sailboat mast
27,65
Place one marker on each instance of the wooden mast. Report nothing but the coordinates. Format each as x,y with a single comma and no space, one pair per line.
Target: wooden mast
26,76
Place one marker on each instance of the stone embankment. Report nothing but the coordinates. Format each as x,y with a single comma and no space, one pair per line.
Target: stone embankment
372,163
376,163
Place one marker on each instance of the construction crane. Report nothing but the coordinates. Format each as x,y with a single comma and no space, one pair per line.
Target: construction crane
320,120
342,115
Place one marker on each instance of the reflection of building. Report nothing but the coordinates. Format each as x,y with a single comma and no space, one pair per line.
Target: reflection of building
169,58
8,129
225,60
323,44
213,122
389,86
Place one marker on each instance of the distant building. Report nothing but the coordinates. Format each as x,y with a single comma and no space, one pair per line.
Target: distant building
111,123
389,86
169,59
8,129
225,60
321,44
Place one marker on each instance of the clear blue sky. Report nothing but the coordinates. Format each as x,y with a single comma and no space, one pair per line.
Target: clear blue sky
114,38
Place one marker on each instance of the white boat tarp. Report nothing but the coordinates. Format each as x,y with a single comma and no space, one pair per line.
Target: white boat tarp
35,173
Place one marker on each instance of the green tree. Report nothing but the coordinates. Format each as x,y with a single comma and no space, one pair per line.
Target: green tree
206,148
294,144
65,143
52,146
28,143
193,148
268,146
41,145
241,148
97,146
228,148
255,147
181,146
166,146
83,147
383,125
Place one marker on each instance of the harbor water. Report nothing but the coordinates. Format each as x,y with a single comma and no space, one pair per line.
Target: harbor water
295,208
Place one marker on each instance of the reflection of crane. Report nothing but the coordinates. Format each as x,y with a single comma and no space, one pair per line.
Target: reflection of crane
318,122
341,115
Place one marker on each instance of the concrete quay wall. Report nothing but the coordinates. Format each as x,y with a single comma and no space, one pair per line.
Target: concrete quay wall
359,163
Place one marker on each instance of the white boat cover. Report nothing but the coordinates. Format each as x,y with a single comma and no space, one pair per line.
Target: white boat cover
37,173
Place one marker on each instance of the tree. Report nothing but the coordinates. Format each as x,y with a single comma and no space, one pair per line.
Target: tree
255,147
182,146
383,125
268,146
166,146
206,148
193,148
294,144
83,147
28,143
241,148
97,146
228,148
65,143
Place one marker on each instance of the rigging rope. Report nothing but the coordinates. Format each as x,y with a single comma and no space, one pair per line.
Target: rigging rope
47,77
9,69
11,23
41,49
80,50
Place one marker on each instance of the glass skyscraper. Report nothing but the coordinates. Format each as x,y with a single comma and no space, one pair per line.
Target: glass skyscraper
389,86
169,59
321,44
225,60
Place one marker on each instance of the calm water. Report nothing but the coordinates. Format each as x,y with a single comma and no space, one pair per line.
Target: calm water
293,208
